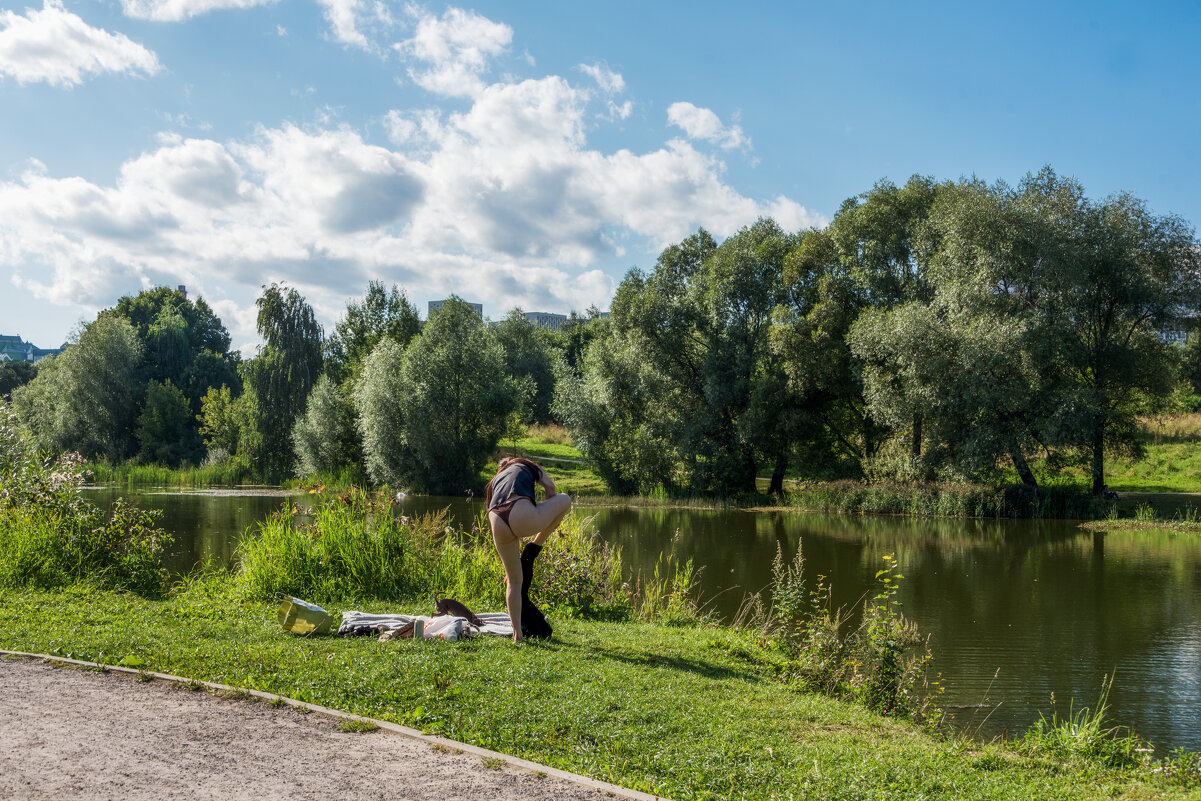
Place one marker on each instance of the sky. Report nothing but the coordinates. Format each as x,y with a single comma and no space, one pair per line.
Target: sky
529,154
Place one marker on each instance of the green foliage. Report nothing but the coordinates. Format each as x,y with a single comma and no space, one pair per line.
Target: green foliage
431,415
380,415
579,575
15,374
529,353
946,500
50,536
165,429
324,436
218,418
279,379
882,663
82,399
380,314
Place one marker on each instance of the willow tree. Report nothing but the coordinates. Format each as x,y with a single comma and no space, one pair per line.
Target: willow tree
281,376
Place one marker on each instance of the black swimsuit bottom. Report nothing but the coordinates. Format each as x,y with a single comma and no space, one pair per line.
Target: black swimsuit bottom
502,509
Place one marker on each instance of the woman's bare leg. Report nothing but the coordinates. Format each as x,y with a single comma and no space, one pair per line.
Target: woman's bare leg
527,520
545,533
509,549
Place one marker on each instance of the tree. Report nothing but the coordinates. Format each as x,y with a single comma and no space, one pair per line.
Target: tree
1110,276
282,375
380,314
218,420
530,353
686,379
431,415
1038,326
82,399
380,415
324,435
15,374
165,430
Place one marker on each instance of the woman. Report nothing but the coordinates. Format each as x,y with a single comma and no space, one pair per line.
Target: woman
514,515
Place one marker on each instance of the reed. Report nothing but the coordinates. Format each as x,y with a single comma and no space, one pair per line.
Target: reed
946,500
228,473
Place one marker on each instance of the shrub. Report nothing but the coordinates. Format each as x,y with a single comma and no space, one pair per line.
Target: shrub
51,536
882,663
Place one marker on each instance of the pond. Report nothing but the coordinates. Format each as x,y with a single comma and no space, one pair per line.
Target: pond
1016,611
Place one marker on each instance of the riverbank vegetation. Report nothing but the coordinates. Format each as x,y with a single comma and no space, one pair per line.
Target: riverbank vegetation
947,332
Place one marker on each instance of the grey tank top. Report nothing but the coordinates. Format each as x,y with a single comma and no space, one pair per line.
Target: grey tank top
515,481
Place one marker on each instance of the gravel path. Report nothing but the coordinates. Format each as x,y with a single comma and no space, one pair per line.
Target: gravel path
73,734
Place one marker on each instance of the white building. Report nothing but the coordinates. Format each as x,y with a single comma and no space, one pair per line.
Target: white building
548,320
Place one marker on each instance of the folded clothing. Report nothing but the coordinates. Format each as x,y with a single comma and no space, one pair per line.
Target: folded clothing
445,627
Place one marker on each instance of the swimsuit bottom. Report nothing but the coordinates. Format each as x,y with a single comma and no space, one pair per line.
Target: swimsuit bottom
502,509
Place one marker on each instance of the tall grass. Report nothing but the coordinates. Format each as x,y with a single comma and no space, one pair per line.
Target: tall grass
946,500
228,473
1082,737
355,547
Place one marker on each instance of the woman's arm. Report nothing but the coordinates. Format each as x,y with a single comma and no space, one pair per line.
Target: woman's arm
546,482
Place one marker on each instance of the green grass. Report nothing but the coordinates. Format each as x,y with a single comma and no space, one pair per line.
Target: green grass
142,475
687,712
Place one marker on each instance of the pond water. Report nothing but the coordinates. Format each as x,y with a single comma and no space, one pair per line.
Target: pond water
1017,611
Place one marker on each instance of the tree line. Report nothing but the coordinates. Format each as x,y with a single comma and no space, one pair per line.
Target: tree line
953,331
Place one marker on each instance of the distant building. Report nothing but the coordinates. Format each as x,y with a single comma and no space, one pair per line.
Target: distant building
1179,328
437,304
15,349
548,320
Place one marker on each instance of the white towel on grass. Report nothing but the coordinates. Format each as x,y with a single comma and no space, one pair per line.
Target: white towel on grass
446,627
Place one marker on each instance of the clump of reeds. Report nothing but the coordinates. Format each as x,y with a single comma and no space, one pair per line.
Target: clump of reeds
1083,737
944,500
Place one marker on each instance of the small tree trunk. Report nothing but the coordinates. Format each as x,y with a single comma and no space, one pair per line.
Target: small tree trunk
917,436
1023,468
1098,461
777,476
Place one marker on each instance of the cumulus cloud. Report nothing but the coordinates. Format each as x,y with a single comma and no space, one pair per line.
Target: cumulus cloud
503,201
351,20
56,46
454,50
611,83
178,10
701,123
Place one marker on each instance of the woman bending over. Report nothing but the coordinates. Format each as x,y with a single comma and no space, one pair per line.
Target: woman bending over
514,516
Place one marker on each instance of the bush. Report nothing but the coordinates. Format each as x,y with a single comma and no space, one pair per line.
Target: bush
356,547
882,663
50,536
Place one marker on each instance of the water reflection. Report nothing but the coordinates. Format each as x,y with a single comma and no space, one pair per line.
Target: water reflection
1016,610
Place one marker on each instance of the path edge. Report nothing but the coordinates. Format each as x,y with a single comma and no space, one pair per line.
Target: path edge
395,728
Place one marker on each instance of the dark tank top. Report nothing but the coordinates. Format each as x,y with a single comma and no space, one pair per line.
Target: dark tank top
515,481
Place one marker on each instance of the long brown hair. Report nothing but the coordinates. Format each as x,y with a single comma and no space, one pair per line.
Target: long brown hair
504,465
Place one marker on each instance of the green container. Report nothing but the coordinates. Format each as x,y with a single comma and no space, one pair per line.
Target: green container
303,618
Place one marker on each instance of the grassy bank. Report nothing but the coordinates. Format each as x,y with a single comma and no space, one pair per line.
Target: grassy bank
635,688
687,712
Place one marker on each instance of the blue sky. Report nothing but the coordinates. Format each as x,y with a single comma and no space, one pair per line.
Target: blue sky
530,153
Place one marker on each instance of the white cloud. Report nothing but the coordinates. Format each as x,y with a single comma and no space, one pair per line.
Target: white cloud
56,46
352,20
503,201
178,10
701,123
455,49
610,82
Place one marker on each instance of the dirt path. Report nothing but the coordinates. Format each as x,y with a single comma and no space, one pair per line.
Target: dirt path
73,734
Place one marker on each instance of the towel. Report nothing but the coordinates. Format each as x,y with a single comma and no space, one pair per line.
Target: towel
445,627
